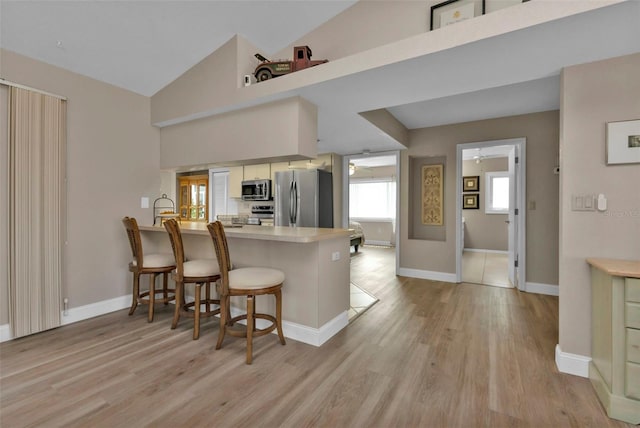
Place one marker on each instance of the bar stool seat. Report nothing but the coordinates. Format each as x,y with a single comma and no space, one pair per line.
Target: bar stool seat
147,264
248,282
201,272
254,277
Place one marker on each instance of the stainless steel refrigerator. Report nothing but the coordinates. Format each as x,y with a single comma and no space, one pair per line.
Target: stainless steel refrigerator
304,198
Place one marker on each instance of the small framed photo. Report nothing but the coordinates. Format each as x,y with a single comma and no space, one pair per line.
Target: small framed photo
471,183
470,201
623,142
452,11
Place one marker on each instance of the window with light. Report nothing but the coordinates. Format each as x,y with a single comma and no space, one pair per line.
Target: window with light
372,199
497,192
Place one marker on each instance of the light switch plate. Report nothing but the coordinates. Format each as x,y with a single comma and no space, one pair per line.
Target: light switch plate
583,203
144,202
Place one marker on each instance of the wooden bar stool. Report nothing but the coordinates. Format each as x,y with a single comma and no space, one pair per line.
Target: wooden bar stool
151,264
249,282
199,272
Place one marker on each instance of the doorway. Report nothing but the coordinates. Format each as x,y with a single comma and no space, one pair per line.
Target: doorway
490,244
371,202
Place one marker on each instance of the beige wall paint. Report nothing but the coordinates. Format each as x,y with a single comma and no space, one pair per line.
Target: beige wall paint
378,231
592,95
342,35
4,205
276,130
112,161
336,174
485,231
541,132
214,78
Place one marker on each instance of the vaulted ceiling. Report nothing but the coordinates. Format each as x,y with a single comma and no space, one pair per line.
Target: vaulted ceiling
142,46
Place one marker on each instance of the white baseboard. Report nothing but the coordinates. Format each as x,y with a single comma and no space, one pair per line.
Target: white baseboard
427,274
315,336
577,365
303,333
381,243
535,287
480,250
299,332
95,309
80,313
5,333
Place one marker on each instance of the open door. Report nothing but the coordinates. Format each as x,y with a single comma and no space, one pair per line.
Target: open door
516,221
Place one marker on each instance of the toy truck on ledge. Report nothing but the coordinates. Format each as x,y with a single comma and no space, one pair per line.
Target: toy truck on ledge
301,60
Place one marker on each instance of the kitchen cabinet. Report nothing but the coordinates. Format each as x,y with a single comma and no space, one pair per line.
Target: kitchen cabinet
614,369
194,198
257,172
236,175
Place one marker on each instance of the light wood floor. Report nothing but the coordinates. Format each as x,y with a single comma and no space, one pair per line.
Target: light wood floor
428,354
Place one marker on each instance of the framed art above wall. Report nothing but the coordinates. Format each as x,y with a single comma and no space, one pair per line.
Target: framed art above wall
623,142
452,11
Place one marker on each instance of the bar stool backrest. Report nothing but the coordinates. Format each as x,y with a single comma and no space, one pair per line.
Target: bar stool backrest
216,230
133,233
175,236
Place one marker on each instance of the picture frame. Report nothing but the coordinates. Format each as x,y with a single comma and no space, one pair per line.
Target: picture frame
623,142
470,201
432,179
452,11
471,183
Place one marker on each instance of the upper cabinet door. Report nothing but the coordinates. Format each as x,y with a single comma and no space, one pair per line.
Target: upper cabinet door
257,172
235,182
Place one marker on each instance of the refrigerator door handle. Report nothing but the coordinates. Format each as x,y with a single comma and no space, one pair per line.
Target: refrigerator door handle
290,203
295,203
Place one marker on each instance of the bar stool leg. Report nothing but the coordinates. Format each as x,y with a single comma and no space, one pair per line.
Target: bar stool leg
196,312
152,295
136,292
224,302
279,316
250,328
179,298
165,288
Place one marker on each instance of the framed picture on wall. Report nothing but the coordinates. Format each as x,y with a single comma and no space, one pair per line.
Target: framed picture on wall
452,11
470,201
471,183
623,142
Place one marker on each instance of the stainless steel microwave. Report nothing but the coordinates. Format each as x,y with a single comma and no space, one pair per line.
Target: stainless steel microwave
256,190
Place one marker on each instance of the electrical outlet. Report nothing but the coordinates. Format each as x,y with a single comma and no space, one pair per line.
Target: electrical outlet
335,256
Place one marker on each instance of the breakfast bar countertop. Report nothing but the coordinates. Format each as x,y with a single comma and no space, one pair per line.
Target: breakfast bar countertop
266,233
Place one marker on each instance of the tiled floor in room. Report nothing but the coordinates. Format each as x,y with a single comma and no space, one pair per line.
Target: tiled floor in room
360,301
485,268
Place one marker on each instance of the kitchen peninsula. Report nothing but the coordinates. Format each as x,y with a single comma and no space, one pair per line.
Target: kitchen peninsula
316,290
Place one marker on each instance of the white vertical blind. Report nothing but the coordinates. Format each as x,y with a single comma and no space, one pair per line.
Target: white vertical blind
372,199
222,204
37,153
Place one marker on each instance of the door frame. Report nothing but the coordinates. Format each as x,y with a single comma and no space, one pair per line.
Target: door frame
521,187
345,192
